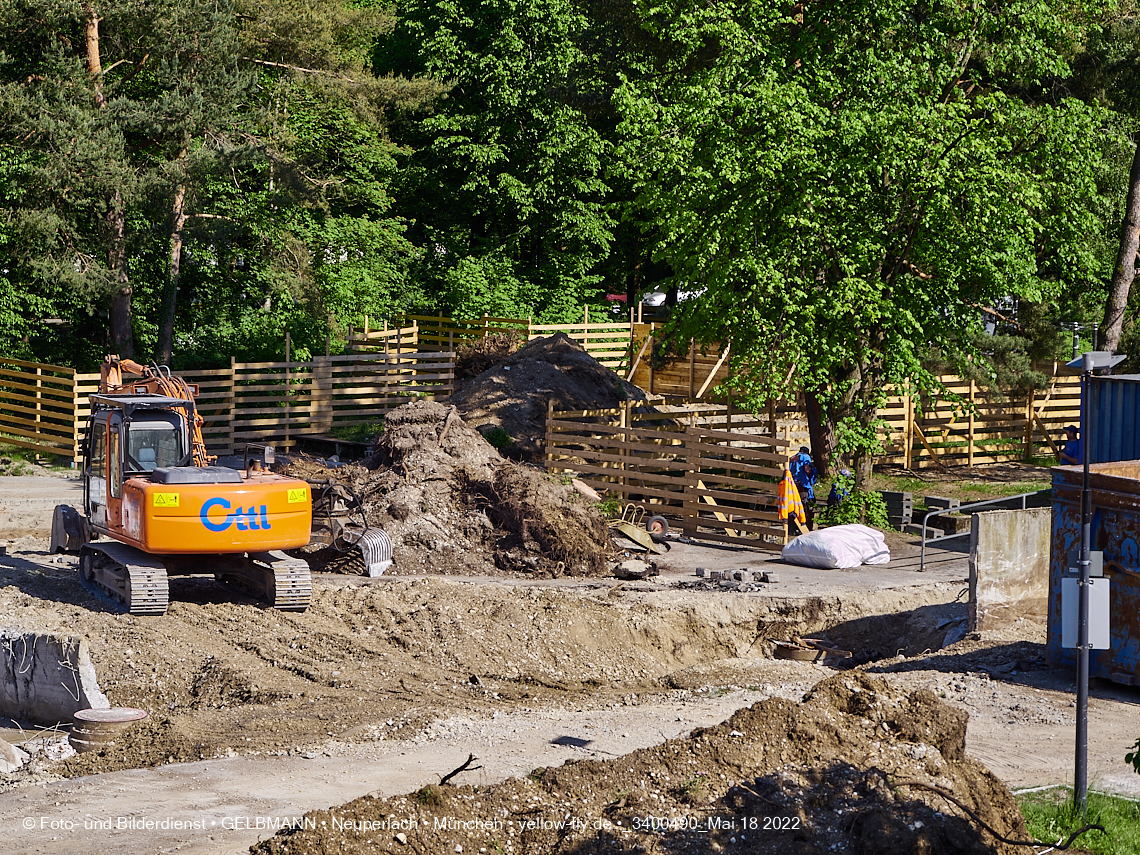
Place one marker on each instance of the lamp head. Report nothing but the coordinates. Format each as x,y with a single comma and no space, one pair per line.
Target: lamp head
1095,360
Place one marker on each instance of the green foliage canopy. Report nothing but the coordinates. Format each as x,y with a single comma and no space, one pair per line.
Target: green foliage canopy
849,187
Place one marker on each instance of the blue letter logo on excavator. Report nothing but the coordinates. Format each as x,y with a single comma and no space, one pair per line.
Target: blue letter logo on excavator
254,517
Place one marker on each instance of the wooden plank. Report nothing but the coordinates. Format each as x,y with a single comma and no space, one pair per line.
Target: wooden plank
37,435
755,486
757,543
708,449
672,436
720,516
559,440
54,401
714,463
754,525
56,423
733,437
649,463
26,379
748,513
599,470
63,448
34,365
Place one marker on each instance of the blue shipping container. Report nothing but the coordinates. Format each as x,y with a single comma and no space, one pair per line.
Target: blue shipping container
1115,415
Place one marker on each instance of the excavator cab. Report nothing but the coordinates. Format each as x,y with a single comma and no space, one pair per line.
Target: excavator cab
125,439
155,505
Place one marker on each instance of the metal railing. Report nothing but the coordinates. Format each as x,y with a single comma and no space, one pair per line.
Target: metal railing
940,511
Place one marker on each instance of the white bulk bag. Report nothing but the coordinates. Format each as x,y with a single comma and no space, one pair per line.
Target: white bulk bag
838,547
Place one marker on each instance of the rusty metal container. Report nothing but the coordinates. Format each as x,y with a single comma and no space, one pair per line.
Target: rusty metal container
95,729
1116,532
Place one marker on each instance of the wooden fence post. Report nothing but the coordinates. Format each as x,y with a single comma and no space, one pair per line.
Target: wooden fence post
387,374
288,389
76,453
231,439
1028,450
548,457
653,344
970,455
625,438
689,499
692,368
908,432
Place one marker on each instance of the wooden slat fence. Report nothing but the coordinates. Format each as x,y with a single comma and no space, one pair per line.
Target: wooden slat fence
713,484
397,339
691,376
607,341
37,406
273,402
971,426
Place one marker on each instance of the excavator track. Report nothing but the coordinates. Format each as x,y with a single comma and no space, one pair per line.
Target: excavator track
279,579
125,577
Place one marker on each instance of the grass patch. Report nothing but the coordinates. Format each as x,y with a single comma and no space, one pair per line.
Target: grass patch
1050,817
15,460
966,491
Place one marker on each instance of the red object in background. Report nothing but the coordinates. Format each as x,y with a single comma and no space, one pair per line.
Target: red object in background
616,298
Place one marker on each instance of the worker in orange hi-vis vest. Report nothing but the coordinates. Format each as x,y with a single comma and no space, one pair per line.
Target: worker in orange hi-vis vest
788,503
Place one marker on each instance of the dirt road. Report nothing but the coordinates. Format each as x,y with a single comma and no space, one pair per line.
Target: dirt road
385,684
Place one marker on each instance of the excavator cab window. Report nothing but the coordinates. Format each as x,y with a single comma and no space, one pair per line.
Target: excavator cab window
154,440
114,457
95,478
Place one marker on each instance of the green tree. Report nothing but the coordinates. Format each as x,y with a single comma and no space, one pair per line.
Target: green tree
106,106
852,181
504,188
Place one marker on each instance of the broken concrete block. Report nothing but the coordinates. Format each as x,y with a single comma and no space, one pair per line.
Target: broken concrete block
714,575
46,678
933,502
916,528
729,583
633,569
771,578
702,571
11,757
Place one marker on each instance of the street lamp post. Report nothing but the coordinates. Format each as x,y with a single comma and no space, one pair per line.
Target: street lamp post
1088,362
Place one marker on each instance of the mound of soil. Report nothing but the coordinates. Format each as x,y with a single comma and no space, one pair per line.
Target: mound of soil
513,395
452,504
856,767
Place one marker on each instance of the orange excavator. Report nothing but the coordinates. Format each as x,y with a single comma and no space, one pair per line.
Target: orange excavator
156,505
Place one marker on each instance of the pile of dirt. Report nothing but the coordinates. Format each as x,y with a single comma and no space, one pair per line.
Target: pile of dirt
856,767
452,504
513,395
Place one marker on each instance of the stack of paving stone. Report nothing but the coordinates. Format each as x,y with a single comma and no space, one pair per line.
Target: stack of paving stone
900,508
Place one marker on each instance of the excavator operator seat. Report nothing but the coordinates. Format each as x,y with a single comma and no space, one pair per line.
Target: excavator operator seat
146,458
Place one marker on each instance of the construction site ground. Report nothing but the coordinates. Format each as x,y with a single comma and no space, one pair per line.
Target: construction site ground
385,685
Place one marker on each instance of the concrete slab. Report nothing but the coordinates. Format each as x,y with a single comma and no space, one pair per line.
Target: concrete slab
46,678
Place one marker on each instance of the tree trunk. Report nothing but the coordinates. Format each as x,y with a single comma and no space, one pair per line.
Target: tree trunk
122,336
170,292
1125,270
94,59
821,430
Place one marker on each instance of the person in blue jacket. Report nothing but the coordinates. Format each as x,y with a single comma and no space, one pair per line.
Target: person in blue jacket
1071,454
840,489
805,476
